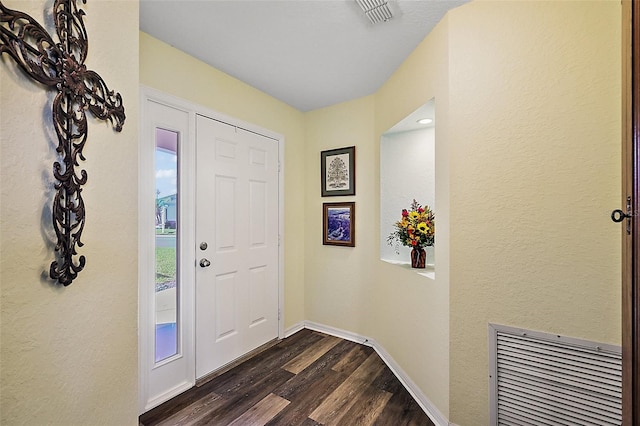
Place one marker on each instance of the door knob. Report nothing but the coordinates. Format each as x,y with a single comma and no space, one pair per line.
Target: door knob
618,215
204,263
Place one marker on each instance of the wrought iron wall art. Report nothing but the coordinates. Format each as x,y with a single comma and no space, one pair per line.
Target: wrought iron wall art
60,66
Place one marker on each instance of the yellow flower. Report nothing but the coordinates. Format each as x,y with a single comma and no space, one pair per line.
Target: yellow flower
415,228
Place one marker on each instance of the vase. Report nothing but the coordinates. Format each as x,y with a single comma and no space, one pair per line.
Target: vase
431,256
418,257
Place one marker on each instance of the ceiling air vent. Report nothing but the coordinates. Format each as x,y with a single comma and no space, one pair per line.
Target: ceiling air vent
376,10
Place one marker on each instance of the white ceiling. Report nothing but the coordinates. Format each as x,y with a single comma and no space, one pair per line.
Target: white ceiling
307,53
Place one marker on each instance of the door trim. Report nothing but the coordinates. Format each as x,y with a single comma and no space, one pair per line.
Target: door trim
631,188
144,253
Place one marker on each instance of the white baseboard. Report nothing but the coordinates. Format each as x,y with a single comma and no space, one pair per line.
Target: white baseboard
293,329
343,334
427,406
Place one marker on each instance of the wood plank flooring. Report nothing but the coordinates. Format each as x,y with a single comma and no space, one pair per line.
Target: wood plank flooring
308,379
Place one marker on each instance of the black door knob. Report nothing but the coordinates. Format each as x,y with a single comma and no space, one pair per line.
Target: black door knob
618,215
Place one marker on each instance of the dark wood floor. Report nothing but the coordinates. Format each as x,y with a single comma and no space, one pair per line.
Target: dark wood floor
307,379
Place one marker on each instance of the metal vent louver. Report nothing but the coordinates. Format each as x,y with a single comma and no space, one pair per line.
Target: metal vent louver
543,379
376,10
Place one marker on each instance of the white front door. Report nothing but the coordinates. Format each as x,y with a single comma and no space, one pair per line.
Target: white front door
194,319
237,243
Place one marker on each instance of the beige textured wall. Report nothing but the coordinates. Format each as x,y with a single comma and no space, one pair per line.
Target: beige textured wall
412,312
350,288
69,355
535,171
337,279
527,97
528,146
167,69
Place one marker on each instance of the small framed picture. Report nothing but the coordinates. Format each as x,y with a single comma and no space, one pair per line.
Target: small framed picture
338,224
338,171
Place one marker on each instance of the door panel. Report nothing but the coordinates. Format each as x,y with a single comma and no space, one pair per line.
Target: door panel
237,296
257,214
225,215
225,300
166,286
258,293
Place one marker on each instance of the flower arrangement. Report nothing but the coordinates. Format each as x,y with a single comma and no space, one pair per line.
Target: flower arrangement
417,228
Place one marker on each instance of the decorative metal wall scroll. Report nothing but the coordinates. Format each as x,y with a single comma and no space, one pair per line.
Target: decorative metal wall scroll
60,66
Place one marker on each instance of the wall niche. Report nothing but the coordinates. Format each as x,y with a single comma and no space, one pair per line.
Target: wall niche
407,172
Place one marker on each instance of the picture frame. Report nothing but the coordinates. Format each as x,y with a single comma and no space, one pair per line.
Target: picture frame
338,224
338,172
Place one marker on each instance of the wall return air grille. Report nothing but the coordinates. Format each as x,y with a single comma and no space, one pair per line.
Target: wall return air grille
544,379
